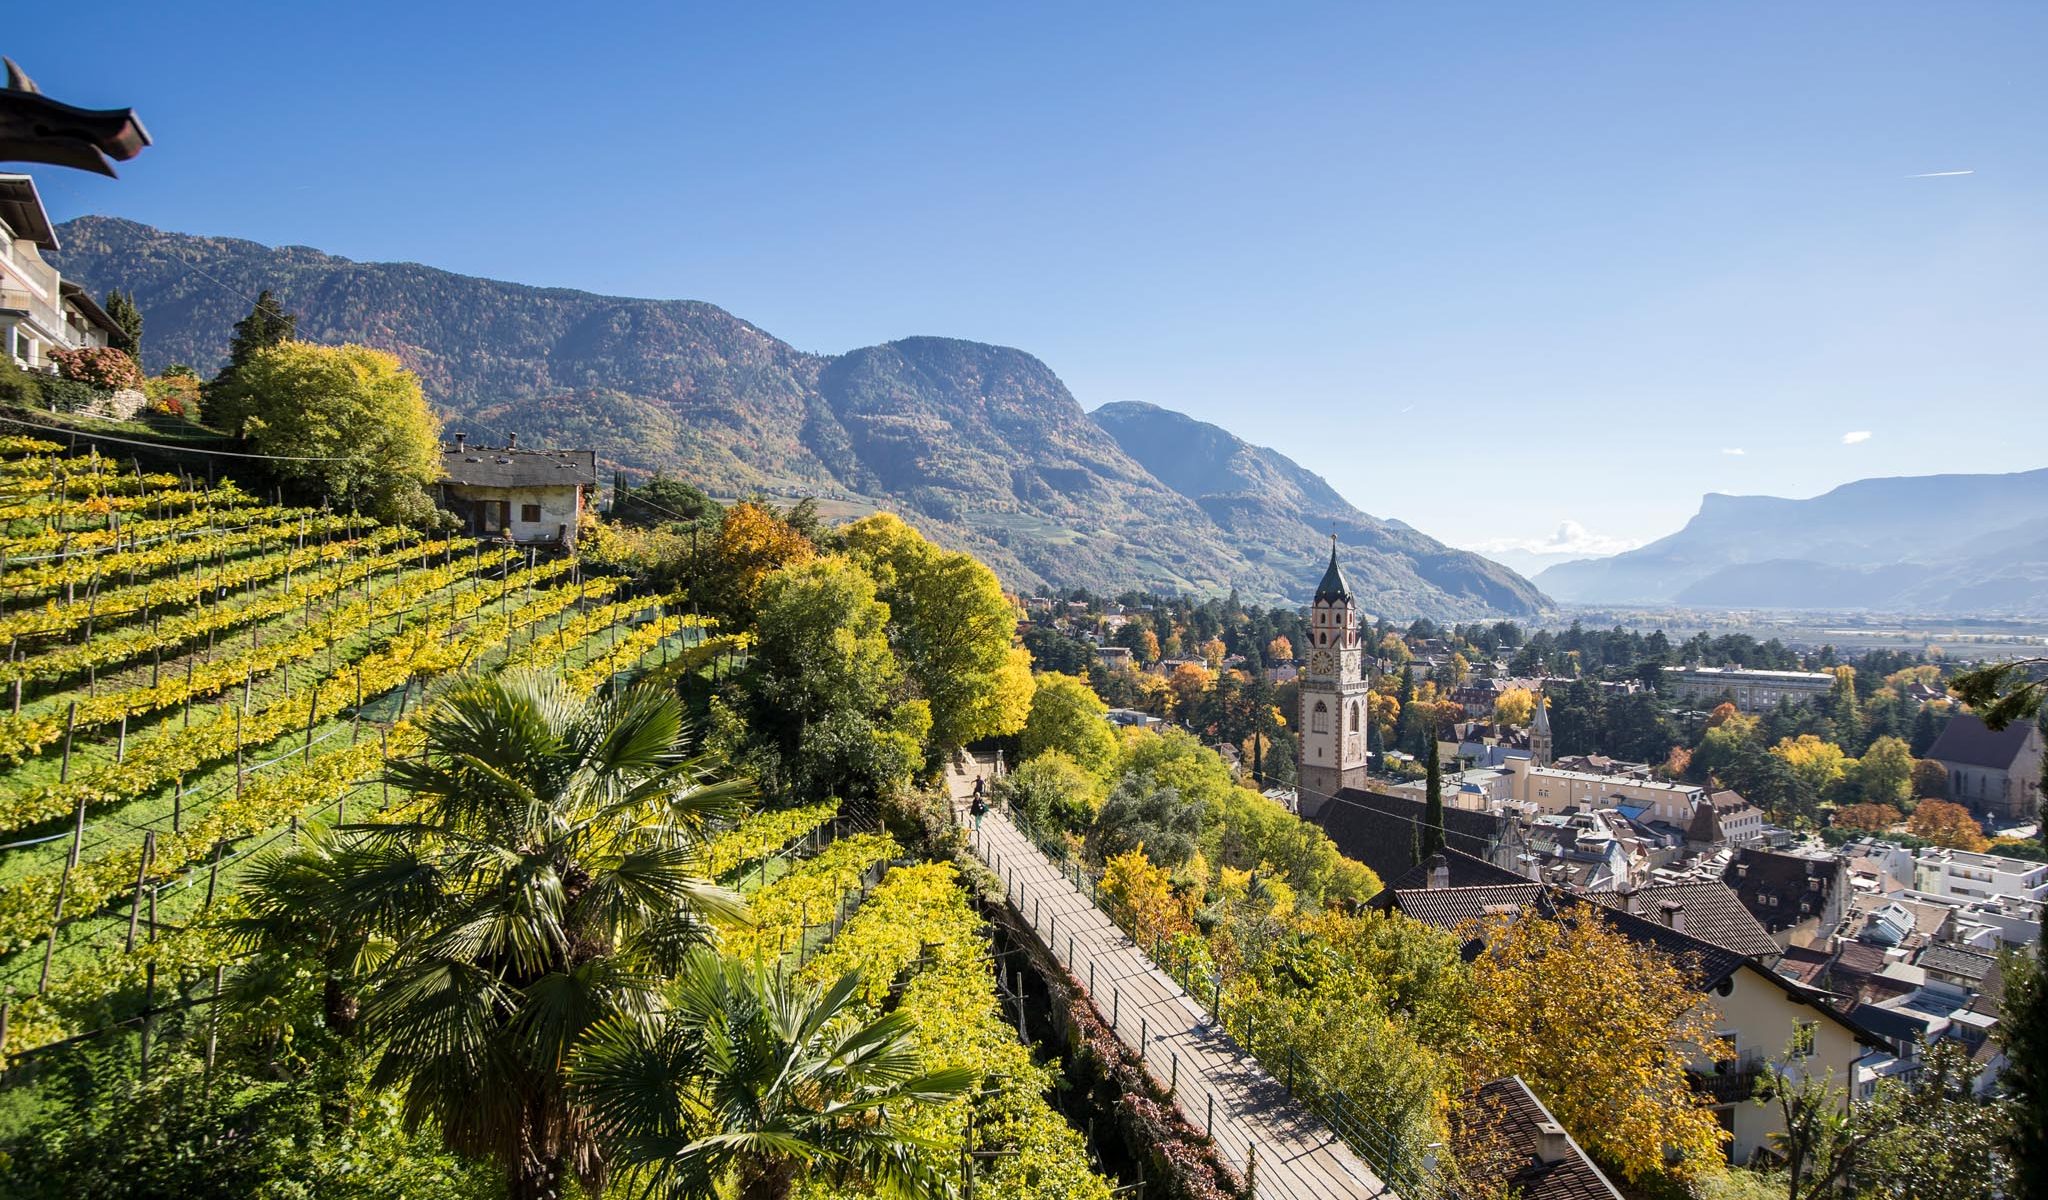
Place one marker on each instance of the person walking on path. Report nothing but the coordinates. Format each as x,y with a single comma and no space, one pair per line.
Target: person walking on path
980,805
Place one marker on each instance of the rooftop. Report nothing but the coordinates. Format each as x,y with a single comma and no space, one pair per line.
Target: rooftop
1966,739
509,467
22,208
1552,1166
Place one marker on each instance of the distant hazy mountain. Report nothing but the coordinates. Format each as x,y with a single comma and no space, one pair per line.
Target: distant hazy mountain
1272,505
1930,543
981,445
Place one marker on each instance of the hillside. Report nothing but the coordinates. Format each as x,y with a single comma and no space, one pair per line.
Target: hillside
1265,499
981,445
1964,544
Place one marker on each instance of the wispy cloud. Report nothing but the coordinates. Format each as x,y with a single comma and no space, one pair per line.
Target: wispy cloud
1940,174
1855,436
1569,538
1735,451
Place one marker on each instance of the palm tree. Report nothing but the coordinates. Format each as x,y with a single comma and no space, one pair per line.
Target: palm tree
747,1080
544,879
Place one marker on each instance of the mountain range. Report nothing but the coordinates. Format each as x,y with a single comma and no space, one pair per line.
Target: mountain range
1952,544
980,445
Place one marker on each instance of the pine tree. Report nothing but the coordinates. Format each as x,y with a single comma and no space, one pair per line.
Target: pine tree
266,325
121,307
1432,832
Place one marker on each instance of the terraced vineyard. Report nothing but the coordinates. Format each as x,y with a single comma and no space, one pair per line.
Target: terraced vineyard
191,675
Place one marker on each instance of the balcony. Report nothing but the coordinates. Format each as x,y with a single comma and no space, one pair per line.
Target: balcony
1731,1082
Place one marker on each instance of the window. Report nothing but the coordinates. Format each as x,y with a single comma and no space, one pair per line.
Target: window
1354,718
530,513
1319,718
1803,1033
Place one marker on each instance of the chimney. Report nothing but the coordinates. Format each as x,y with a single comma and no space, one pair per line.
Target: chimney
1439,872
511,441
460,438
1551,1143
1674,915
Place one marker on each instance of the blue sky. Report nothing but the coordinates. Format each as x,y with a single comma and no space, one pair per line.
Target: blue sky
1494,269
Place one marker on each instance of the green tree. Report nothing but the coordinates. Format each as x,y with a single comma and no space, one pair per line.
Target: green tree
1885,772
1052,791
744,1081
347,422
121,307
1066,715
2023,1031
1142,813
663,501
953,627
547,882
266,325
824,676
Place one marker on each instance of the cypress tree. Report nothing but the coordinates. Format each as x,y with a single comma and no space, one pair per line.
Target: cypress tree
121,307
1432,832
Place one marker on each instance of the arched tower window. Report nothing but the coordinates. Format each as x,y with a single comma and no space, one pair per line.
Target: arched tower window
1319,718
1354,718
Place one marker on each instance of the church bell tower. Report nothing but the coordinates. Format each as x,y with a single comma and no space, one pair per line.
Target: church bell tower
1332,722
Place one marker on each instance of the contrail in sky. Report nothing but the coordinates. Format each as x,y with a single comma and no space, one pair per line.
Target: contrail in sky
1939,174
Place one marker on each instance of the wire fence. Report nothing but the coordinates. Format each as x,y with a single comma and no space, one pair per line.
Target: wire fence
1401,1164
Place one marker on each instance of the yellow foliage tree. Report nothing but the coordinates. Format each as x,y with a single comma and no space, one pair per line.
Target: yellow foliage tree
1394,650
953,627
1618,1083
348,421
1280,650
1815,763
1514,706
1142,900
1213,652
1947,824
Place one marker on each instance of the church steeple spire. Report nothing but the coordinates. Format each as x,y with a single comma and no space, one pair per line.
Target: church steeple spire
1333,586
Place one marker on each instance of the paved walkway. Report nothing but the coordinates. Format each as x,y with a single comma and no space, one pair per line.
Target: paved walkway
1216,1085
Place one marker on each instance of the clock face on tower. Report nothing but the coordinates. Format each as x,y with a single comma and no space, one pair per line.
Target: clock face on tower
1320,662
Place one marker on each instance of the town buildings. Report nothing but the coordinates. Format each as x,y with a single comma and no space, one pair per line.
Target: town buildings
1752,691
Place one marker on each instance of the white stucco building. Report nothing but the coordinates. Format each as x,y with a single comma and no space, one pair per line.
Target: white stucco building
39,312
529,497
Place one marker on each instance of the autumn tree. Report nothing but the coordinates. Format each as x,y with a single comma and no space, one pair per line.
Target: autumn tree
1213,652
952,626
1618,1076
1867,818
1189,683
1066,715
753,542
1815,767
1947,824
1514,706
1930,778
1141,899
1279,650
1395,650
347,422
